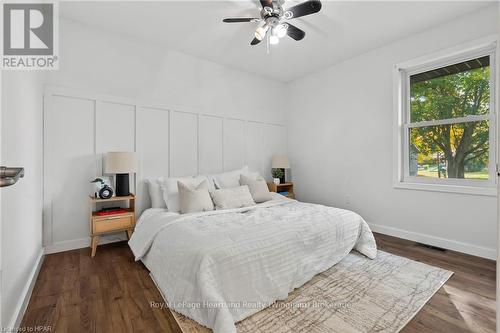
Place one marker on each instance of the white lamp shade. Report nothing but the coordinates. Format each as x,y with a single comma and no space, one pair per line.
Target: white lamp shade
120,162
280,162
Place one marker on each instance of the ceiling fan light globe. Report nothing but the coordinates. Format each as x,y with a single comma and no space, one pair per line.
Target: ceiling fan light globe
259,35
260,32
273,40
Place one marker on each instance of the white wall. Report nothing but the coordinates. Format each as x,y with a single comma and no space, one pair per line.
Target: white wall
108,63
341,137
183,115
21,205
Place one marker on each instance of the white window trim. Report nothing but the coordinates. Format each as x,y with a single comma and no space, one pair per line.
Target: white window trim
402,72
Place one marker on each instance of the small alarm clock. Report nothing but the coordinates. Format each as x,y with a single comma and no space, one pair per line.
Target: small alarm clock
105,192
102,189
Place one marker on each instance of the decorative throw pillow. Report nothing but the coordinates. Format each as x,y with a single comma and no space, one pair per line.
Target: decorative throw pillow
171,191
235,197
194,199
258,188
155,193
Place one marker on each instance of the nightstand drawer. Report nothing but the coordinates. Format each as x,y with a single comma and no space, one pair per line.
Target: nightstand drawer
111,223
285,189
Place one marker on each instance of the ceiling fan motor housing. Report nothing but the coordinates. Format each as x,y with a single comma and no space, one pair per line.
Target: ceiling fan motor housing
275,11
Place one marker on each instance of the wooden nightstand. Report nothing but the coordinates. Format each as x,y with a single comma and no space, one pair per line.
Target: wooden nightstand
111,223
283,187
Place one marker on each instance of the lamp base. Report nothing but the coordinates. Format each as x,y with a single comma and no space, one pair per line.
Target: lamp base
282,178
122,184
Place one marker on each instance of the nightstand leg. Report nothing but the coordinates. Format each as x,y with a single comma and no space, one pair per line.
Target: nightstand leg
95,240
129,233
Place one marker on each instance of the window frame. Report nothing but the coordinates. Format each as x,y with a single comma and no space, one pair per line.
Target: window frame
402,123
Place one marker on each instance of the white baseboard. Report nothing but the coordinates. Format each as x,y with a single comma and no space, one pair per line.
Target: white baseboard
81,243
24,299
471,249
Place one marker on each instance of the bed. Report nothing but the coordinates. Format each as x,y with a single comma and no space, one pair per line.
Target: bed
221,266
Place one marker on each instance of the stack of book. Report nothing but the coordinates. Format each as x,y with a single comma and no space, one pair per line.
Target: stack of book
111,211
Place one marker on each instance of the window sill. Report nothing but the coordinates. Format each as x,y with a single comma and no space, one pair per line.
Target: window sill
446,188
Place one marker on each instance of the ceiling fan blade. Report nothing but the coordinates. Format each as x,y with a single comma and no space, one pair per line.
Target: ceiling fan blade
295,32
303,9
240,19
266,3
255,41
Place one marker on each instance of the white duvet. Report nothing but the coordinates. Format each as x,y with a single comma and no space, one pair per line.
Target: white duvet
220,267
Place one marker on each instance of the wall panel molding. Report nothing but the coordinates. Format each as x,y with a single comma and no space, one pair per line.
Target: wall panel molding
169,141
210,144
184,145
233,143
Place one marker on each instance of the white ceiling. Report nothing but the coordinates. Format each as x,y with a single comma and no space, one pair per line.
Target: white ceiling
341,30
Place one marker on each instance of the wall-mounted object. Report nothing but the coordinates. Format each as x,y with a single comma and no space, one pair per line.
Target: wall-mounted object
122,164
9,176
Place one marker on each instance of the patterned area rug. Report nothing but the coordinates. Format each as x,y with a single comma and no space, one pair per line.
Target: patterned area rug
356,295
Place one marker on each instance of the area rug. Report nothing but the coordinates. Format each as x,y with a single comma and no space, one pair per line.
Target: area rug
356,295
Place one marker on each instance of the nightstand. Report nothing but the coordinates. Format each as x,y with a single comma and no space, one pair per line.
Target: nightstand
103,224
283,187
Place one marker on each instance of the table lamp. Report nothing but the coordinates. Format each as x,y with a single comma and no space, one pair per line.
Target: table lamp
280,162
121,164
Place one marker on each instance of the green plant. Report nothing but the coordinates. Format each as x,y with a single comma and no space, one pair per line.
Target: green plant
278,173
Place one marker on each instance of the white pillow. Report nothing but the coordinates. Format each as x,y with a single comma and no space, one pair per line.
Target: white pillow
171,191
228,179
211,183
194,199
155,192
253,175
258,188
235,197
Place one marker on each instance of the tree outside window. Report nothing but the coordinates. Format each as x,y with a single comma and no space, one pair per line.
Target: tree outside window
449,126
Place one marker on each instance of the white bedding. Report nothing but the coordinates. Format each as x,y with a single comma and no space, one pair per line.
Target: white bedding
220,267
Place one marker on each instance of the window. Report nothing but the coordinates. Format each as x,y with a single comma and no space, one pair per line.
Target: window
446,126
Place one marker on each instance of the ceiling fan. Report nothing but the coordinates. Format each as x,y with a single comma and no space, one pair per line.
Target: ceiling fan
273,21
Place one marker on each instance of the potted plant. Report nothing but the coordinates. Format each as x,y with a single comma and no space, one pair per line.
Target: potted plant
278,175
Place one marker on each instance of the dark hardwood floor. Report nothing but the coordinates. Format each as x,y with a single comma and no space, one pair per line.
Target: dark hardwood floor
112,293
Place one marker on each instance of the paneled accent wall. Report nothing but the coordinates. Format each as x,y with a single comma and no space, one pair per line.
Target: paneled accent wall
80,127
